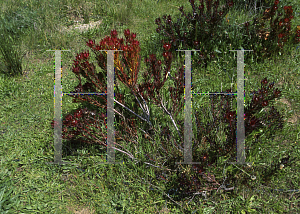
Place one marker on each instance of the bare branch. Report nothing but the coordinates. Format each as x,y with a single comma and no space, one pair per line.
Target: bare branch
129,110
172,121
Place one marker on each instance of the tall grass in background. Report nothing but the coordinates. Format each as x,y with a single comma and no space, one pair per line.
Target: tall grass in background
12,58
15,23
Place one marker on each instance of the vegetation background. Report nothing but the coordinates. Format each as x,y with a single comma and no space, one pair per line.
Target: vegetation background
29,185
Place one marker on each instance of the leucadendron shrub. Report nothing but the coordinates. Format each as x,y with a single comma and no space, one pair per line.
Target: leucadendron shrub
138,128
202,29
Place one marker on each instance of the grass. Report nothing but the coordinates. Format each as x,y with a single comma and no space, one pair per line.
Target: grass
29,185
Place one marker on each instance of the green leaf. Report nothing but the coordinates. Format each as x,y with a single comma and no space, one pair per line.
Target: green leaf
216,50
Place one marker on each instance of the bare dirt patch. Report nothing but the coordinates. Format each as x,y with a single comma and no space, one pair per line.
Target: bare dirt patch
81,27
294,117
80,210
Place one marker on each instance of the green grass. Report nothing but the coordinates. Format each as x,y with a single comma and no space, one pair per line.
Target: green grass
29,185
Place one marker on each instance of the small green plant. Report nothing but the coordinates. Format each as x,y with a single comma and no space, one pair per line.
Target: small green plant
7,199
